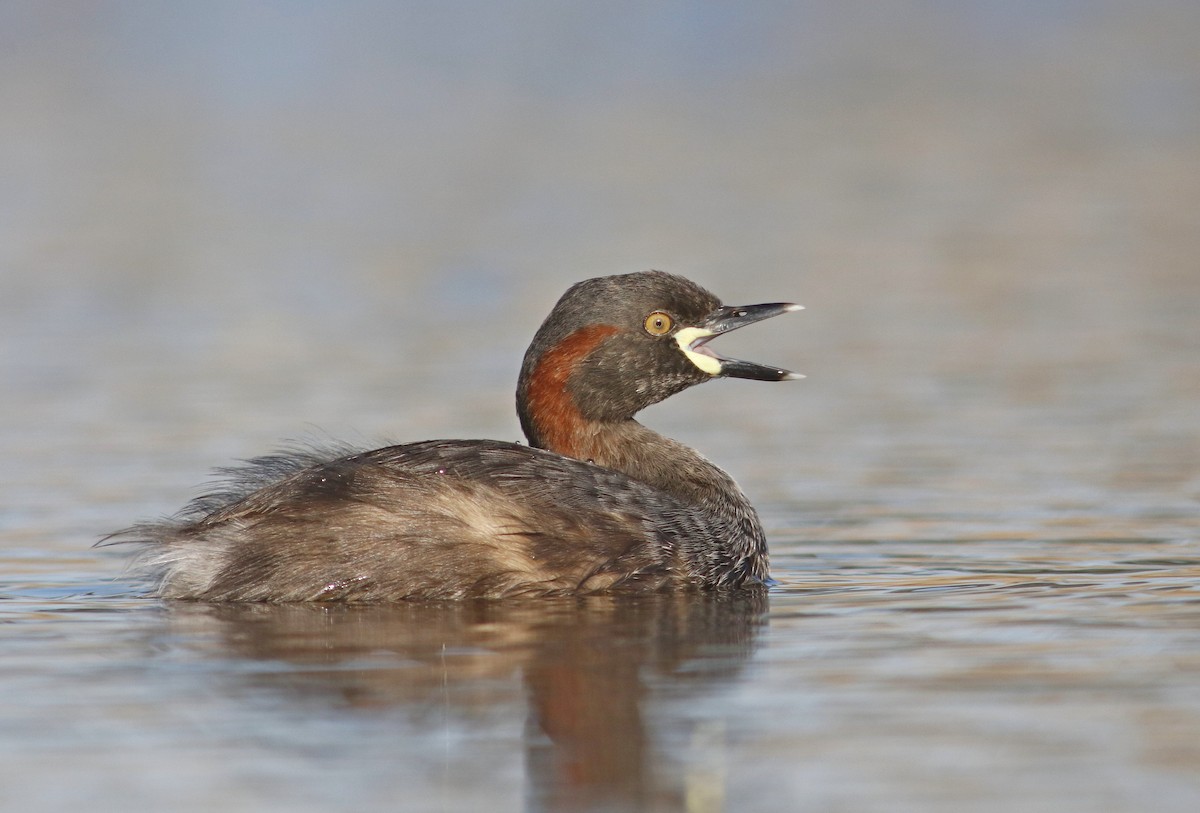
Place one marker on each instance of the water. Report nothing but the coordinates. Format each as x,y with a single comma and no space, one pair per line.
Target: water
226,230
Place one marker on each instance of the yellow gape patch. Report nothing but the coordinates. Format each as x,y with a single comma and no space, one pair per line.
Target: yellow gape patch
687,340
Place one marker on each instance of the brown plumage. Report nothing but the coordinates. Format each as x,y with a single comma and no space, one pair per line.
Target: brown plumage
597,502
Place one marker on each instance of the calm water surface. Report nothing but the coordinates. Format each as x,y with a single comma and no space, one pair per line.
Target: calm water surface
923,674
219,232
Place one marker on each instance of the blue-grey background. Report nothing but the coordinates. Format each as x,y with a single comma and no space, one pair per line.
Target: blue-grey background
223,225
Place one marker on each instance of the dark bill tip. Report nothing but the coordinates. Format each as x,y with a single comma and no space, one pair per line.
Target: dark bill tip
735,368
731,317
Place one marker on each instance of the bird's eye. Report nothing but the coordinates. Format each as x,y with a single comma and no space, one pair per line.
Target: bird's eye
658,324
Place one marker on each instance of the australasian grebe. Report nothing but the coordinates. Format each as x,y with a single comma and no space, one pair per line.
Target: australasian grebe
597,502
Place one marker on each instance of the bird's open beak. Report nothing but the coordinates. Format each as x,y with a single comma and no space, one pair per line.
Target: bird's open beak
693,341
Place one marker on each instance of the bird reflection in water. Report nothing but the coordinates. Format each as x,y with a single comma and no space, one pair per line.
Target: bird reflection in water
590,668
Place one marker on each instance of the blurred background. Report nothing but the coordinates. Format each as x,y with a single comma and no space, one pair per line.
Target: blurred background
227,224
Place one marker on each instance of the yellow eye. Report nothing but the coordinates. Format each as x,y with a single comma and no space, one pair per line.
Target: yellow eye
657,324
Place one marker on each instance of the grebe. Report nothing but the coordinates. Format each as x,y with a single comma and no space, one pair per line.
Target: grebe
596,502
